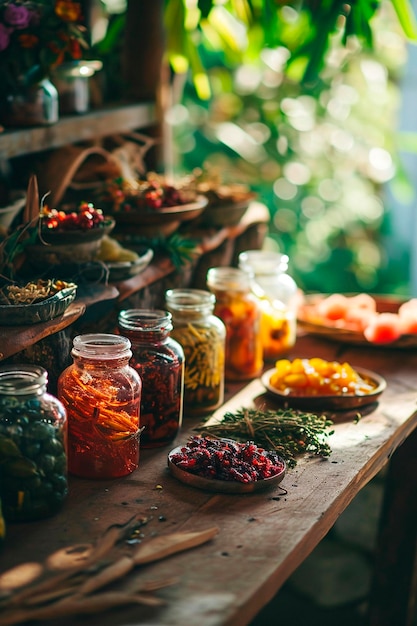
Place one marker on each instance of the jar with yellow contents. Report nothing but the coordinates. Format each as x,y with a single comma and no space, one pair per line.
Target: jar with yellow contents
276,292
202,336
239,310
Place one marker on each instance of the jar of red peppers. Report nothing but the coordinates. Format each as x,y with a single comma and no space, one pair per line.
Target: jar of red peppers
238,308
33,440
276,291
101,394
159,361
202,336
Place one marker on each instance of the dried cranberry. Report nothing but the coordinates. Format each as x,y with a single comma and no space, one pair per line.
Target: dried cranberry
224,459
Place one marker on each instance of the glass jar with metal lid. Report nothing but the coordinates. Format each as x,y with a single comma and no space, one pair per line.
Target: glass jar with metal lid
101,394
159,361
239,310
202,336
33,441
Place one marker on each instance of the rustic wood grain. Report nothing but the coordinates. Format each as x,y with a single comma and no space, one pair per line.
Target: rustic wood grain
263,536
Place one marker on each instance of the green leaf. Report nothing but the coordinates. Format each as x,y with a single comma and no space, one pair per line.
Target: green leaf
406,17
205,7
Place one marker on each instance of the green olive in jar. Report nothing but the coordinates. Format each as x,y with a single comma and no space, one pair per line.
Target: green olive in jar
33,435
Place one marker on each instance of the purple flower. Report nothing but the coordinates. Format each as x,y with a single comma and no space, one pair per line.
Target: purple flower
17,15
4,37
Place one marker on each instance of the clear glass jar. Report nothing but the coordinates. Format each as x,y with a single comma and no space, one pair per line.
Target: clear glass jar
238,308
33,442
101,394
276,291
159,360
202,336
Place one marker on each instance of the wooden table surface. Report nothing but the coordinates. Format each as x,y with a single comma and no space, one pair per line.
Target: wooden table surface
263,536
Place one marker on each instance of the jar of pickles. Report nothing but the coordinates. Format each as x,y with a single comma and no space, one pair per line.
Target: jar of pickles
238,308
33,437
159,361
101,394
202,336
276,292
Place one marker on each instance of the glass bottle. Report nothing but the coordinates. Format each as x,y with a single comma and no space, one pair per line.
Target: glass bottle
101,394
159,360
202,336
238,308
277,292
33,441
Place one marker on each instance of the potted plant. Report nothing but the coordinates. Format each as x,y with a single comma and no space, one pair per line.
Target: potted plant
36,36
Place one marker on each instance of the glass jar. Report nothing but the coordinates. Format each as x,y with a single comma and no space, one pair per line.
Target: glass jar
277,293
33,440
101,394
238,308
202,336
159,360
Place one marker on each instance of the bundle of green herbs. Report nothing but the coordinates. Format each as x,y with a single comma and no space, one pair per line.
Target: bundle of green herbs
290,433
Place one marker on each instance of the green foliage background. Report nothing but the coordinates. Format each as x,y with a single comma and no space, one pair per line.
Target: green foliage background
301,106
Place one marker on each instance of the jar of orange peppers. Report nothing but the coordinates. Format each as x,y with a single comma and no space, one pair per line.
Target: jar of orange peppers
238,308
276,291
102,395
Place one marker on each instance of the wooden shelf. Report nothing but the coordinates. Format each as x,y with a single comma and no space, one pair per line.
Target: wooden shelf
76,128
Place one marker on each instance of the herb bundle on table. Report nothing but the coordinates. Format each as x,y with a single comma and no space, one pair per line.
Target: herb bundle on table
288,432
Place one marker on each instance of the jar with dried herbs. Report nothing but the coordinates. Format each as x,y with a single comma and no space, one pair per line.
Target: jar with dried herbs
159,361
202,336
33,440
239,310
276,292
101,393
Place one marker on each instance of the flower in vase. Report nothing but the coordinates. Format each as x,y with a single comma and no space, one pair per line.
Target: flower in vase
35,37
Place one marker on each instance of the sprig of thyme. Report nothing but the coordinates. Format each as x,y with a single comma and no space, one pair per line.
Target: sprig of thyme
290,433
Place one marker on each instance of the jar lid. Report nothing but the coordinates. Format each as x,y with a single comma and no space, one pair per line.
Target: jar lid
22,379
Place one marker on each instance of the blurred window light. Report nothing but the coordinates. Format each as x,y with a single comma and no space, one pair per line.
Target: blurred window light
374,73
285,221
368,253
312,206
297,173
342,140
241,142
275,58
247,79
260,132
282,145
381,165
284,189
177,115
329,190
338,109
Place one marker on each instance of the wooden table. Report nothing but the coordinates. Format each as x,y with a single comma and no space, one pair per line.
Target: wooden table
264,536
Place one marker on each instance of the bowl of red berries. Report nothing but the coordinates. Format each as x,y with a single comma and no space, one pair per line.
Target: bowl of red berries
225,465
65,236
153,206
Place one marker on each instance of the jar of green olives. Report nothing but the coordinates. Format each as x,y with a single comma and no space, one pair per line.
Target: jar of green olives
33,435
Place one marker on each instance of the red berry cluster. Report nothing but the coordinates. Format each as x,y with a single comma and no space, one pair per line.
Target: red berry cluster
85,218
161,195
224,459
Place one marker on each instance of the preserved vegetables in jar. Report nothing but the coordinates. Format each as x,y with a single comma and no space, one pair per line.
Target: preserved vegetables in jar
237,307
101,394
159,361
277,293
33,440
202,336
